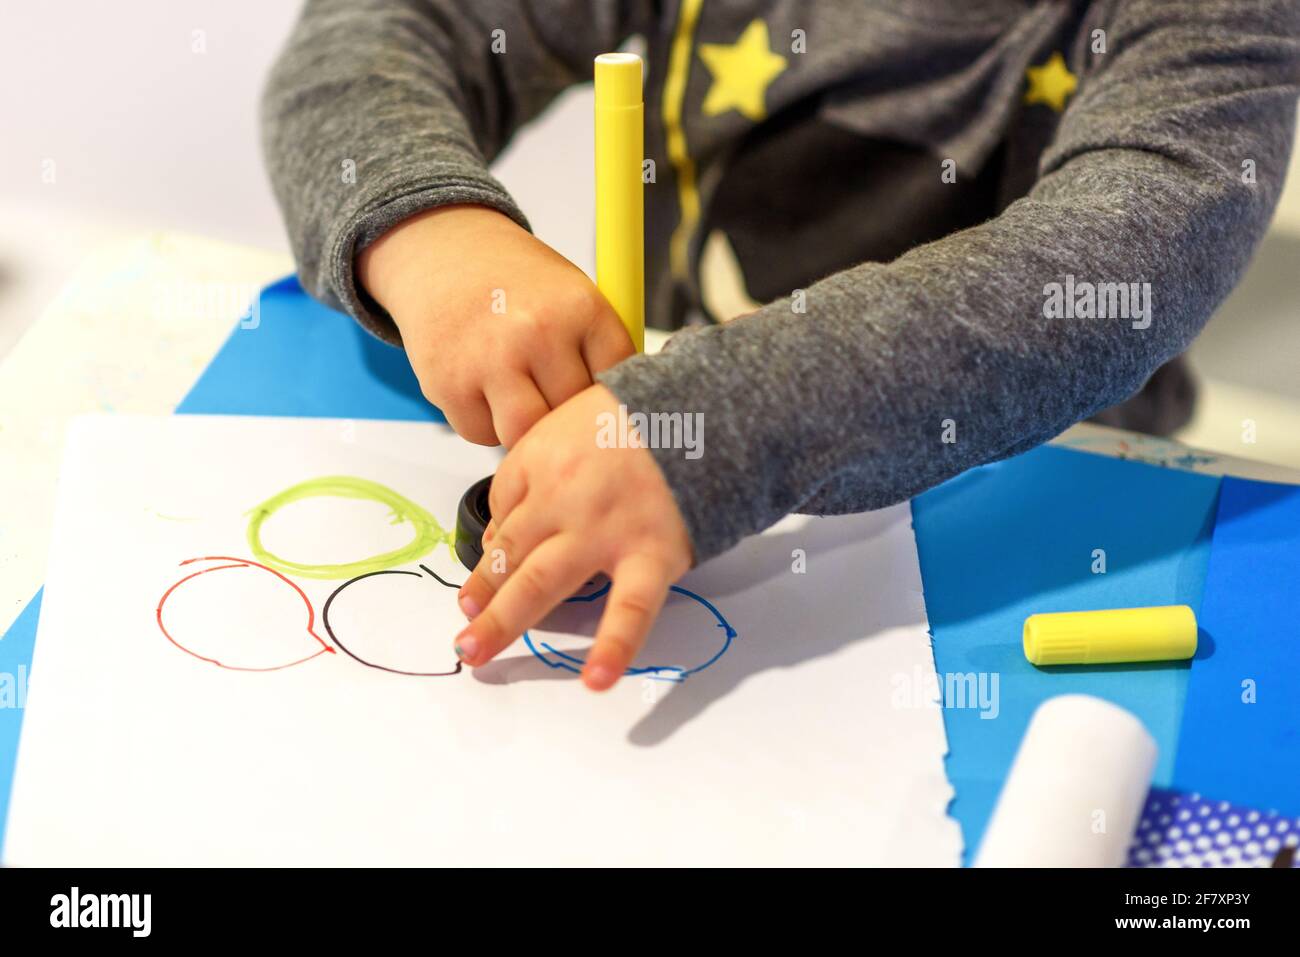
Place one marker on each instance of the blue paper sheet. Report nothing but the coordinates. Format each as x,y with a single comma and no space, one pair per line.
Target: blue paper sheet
15,660
996,544
1242,726
1008,540
306,360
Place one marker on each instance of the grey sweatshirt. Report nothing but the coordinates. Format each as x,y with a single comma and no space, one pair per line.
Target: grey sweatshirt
975,222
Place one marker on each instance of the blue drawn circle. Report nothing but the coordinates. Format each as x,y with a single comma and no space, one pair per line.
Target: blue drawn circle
554,658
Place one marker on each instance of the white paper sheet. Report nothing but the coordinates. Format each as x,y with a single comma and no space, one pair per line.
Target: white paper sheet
806,732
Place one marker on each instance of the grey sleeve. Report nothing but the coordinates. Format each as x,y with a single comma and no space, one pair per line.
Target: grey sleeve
379,109
846,407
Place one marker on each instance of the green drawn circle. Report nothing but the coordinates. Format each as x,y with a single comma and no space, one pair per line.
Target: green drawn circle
428,533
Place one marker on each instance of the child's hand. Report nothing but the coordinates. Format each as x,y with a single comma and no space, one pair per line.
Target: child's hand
563,508
499,327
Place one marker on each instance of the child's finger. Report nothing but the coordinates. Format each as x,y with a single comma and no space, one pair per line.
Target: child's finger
509,545
471,420
560,375
550,574
516,405
640,586
507,490
606,344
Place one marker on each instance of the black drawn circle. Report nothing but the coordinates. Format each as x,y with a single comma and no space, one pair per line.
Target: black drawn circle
325,618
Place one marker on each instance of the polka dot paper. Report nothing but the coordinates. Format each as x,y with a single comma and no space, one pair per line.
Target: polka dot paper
1186,830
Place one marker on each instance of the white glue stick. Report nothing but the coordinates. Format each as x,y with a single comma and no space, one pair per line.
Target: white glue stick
1075,790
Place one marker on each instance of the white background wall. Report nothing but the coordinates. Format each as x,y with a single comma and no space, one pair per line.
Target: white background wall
141,128
145,133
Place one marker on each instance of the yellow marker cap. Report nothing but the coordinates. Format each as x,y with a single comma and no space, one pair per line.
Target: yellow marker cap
1163,633
620,203
618,80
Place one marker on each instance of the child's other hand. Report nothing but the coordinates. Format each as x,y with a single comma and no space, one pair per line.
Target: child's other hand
563,509
499,327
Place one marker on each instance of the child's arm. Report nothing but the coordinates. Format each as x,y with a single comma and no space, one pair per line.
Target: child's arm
1165,169
851,406
380,110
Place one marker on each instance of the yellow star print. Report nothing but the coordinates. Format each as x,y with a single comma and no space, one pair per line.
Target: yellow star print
741,73
1052,83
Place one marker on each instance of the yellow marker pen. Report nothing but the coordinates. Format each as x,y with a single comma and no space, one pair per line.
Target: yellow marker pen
1164,633
620,210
